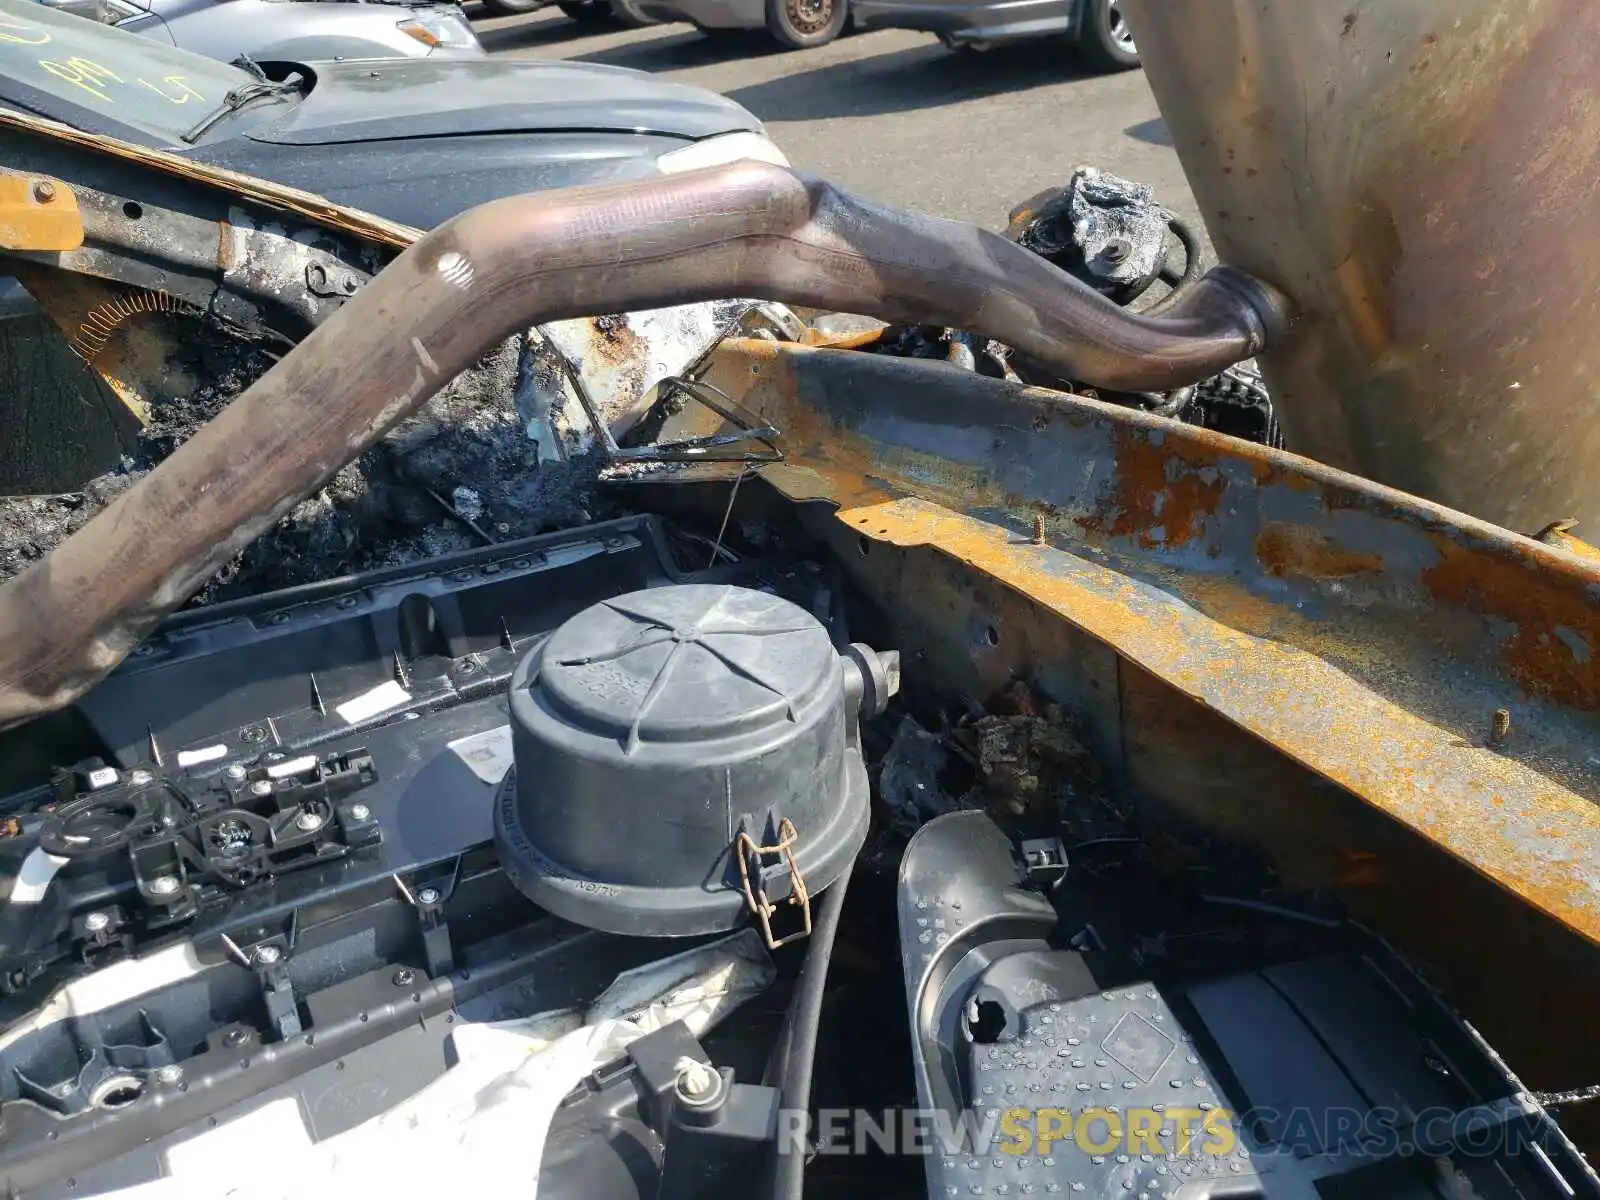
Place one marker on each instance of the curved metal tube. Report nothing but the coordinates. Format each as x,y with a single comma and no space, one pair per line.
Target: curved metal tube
748,229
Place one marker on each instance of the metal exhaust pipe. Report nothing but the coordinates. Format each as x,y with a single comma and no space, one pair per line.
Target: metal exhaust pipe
749,229
1419,176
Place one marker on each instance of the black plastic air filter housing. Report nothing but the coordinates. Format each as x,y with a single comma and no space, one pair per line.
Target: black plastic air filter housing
650,730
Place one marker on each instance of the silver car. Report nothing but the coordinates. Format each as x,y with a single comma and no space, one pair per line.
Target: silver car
296,30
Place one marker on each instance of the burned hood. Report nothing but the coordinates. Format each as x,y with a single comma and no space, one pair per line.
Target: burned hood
370,101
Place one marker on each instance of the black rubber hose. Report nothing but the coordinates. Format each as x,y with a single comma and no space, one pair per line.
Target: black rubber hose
1191,255
797,1044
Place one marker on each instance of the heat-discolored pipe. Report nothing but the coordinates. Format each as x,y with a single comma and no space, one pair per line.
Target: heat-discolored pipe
748,229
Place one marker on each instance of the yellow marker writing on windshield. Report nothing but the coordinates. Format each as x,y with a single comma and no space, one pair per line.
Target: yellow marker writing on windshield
83,72
23,35
174,89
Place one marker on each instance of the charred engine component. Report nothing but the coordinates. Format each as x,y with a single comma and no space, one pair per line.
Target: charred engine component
1415,174
687,758
1110,234
1107,232
1063,1054
747,229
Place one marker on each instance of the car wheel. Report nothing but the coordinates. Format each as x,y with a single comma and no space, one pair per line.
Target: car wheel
802,24
628,13
1105,39
512,8
586,12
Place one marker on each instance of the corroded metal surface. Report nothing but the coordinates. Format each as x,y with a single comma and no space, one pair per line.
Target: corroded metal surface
1367,635
1418,176
38,213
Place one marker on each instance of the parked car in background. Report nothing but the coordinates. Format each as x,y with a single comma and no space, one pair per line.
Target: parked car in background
585,12
797,24
1098,27
296,30
416,141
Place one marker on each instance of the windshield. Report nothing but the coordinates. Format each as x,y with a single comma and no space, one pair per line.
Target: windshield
60,65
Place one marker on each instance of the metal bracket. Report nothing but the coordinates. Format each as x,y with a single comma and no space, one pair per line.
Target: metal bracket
270,961
38,214
429,900
325,280
745,849
714,448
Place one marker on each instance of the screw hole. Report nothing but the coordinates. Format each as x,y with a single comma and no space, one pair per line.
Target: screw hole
864,545
132,209
991,636
986,1021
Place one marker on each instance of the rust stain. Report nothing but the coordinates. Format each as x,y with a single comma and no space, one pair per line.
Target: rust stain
614,340
1555,622
1417,772
225,256
1288,551
1158,498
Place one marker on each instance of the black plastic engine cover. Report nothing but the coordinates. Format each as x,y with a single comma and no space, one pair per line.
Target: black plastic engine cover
651,730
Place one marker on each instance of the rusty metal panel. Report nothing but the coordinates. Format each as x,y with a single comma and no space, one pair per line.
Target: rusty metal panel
1437,667
37,213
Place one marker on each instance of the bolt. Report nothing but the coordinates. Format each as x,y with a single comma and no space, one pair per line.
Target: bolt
359,812
461,576
503,528
347,602
1038,529
1501,726
164,885
235,773
404,977
95,922
170,1073
252,733
139,778
308,820
697,1082
428,895
261,787
44,191
267,955
236,1037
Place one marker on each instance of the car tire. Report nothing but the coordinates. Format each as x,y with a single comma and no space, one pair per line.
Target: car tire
804,24
1104,39
586,12
512,8
629,14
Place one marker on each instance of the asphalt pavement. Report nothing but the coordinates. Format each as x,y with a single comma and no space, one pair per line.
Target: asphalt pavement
896,116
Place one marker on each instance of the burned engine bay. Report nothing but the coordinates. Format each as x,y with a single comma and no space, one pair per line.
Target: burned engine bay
556,800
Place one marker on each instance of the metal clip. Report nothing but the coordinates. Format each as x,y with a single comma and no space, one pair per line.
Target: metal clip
744,848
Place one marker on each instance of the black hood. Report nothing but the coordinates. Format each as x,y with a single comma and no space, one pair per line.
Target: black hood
421,98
